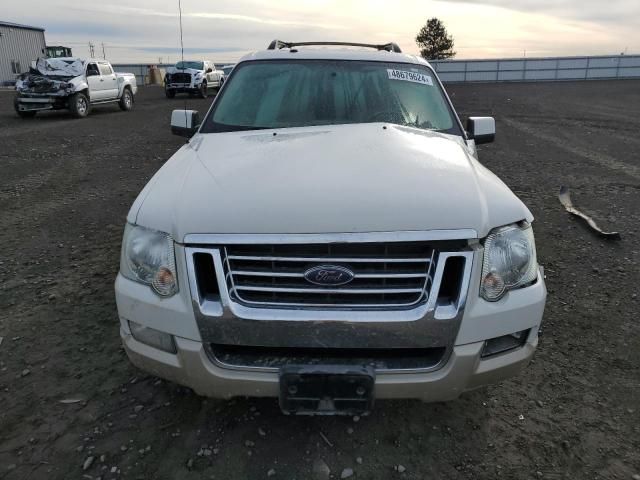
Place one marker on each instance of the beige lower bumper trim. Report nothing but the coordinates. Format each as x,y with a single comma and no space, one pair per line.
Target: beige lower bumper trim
191,367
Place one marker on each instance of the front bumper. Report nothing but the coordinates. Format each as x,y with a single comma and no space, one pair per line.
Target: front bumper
464,371
43,102
183,87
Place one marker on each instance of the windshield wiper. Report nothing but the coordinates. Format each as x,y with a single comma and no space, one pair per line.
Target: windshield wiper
221,127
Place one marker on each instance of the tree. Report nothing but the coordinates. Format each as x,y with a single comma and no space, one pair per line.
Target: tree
434,42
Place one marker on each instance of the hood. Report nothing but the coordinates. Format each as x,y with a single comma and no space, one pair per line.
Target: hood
58,67
190,71
52,75
337,179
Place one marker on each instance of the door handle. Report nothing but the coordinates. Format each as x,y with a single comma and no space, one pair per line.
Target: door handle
102,79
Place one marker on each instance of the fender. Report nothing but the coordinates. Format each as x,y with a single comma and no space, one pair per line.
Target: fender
79,84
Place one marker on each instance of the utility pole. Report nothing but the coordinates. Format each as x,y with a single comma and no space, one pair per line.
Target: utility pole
104,56
91,50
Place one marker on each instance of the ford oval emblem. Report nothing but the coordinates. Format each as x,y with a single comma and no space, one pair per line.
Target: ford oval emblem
329,275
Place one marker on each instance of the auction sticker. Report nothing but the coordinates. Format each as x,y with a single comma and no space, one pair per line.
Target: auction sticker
409,76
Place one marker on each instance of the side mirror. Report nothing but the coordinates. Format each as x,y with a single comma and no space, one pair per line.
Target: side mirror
481,129
185,123
209,70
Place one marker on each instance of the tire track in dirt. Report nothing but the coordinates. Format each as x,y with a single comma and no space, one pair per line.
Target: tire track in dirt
600,158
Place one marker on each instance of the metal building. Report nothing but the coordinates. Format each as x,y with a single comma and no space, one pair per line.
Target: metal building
19,46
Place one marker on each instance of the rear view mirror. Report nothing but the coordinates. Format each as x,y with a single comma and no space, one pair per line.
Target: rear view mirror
481,129
185,123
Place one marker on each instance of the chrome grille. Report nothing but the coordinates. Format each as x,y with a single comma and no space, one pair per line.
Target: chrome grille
386,275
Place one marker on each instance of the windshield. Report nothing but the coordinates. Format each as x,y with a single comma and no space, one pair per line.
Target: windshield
194,65
281,94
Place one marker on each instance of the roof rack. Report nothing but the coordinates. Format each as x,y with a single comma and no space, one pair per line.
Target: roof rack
389,47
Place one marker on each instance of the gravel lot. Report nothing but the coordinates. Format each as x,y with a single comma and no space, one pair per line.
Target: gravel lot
65,188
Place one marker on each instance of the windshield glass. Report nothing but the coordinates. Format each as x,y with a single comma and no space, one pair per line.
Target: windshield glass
281,94
194,65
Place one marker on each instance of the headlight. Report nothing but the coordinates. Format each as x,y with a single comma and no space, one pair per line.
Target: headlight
509,261
148,257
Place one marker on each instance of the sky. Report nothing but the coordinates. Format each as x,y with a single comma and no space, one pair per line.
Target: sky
147,31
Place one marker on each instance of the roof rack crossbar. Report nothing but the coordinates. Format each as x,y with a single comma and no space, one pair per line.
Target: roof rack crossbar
389,47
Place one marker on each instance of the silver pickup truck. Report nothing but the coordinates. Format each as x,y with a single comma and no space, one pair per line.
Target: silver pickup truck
73,84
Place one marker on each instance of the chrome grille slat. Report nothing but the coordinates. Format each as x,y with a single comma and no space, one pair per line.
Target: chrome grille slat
301,275
387,275
327,259
346,291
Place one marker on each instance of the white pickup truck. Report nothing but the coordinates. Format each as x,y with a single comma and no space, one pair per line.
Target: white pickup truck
328,236
193,77
73,84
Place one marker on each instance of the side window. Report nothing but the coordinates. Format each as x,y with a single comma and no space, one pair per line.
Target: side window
92,69
105,69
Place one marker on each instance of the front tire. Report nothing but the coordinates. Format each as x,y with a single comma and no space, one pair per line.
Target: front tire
79,105
203,90
126,100
169,93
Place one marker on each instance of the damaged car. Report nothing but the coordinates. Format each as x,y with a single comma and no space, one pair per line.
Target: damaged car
73,84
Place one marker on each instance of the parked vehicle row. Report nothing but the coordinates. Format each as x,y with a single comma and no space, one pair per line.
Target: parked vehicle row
77,84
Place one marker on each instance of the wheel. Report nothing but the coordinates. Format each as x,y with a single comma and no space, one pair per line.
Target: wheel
23,113
169,93
126,101
79,105
203,90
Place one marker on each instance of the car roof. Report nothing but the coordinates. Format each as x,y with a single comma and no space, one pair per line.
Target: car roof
308,53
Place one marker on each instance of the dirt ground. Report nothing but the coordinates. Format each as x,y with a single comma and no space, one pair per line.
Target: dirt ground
65,188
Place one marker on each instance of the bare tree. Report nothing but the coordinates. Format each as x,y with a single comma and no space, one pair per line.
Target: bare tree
434,42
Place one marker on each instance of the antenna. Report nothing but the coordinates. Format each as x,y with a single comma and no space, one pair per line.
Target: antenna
186,121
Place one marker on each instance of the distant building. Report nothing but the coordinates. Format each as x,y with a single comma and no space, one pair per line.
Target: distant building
19,46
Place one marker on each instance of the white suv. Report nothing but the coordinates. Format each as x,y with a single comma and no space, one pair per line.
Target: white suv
328,236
